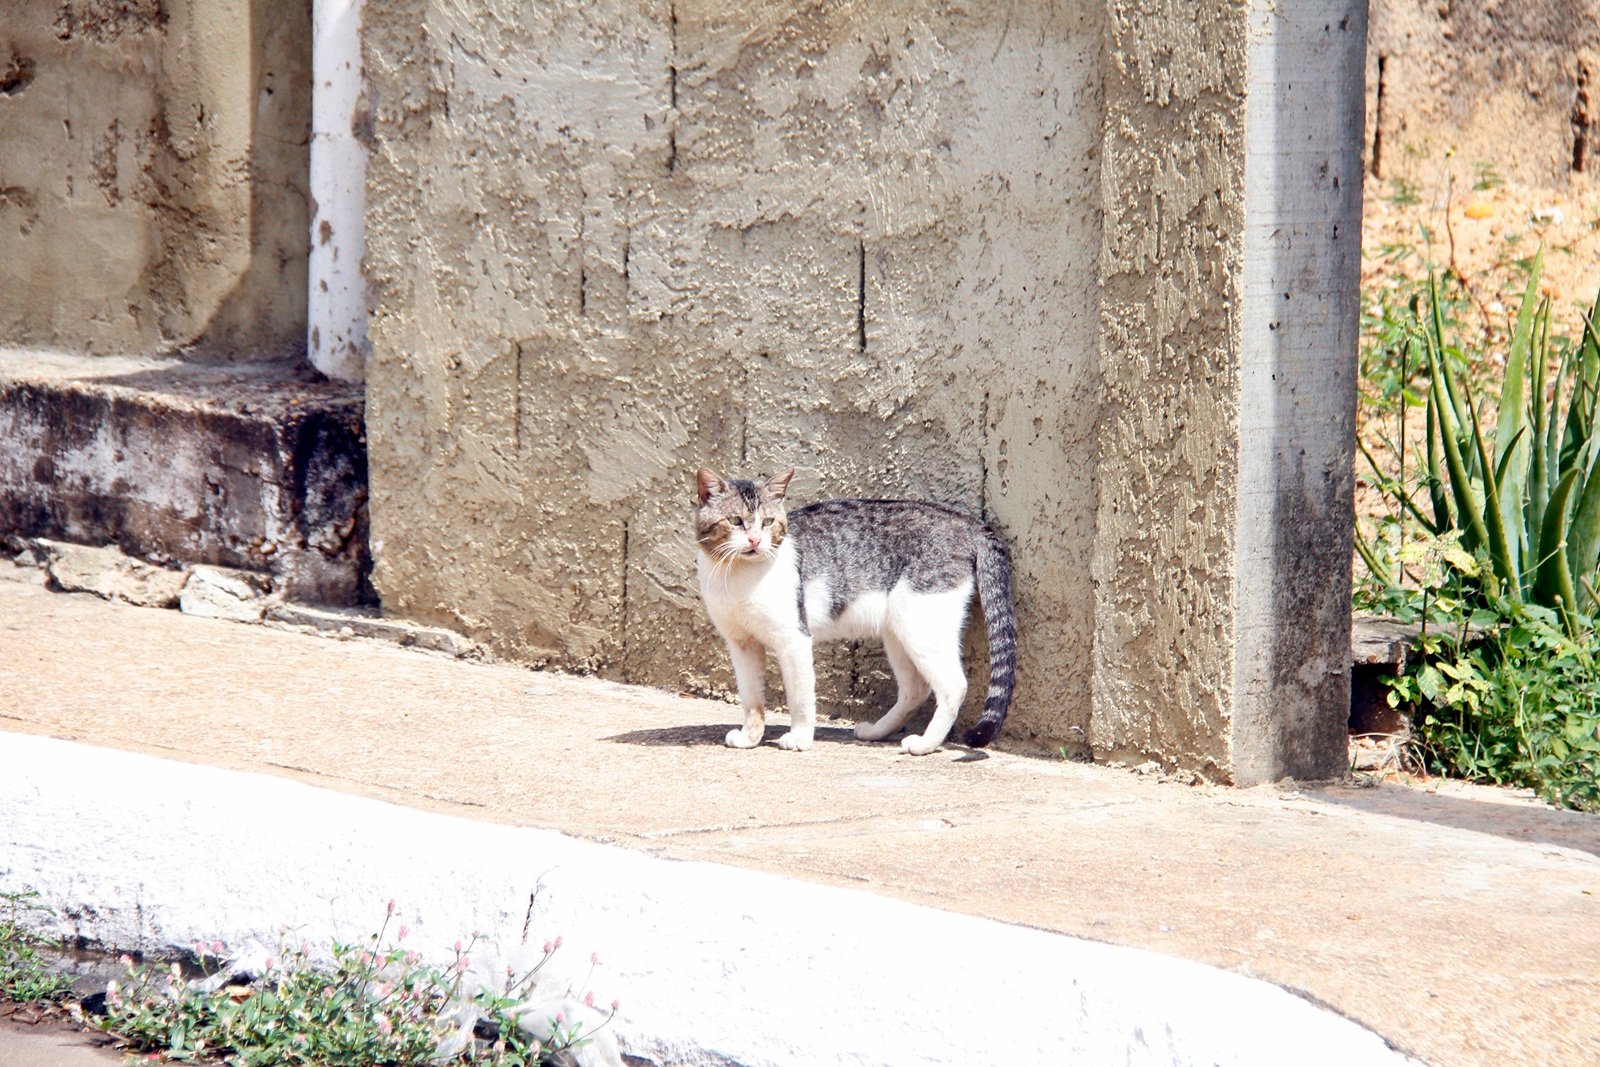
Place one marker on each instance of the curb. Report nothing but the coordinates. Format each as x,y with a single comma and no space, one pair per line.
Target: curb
713,964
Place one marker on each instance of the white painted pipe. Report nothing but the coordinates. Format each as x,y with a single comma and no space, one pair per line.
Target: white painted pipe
336,311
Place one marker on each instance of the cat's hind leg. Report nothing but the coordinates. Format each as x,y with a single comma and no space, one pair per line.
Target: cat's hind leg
913,691
934,647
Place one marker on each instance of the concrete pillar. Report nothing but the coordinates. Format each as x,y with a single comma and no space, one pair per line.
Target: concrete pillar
1232,189
1299,299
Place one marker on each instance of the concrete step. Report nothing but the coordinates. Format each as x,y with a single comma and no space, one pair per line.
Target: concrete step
258,466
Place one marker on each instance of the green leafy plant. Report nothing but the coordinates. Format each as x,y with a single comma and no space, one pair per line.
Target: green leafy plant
1518,707
1529,497
26,974
376,1004
1493,545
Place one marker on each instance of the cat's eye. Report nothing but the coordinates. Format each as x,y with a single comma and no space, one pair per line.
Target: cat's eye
737,521
766,522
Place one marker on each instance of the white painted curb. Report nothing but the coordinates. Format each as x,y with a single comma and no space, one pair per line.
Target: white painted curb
714,965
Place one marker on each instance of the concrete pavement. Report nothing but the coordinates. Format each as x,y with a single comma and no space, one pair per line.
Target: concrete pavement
1461,924
52,1044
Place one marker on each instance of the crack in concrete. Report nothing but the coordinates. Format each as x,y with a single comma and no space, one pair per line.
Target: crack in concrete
942,813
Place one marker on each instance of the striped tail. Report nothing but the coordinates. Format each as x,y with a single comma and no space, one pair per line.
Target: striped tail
1000,622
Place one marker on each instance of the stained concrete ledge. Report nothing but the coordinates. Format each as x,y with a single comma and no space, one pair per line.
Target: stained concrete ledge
719,965
255,466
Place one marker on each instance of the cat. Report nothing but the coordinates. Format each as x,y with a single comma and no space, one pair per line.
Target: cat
900,570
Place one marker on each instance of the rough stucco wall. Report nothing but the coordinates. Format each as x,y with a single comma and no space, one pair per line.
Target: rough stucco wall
1514,85
1172,180
153,190
609,242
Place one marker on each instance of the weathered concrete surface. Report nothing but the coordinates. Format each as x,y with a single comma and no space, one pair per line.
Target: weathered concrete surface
1298,300
1232,193
153,190
250,466
714,966
1512,86
1172,181
612,242
105,571
52,1044
366,622
1460,923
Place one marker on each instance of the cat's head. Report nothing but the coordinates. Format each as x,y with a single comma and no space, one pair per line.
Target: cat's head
738,520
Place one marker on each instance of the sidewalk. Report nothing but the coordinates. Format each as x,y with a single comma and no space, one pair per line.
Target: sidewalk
27,1042
1463,925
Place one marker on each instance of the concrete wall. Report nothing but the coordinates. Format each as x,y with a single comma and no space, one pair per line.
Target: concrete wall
1515,85
1298,310
1029,259
153,184
611,242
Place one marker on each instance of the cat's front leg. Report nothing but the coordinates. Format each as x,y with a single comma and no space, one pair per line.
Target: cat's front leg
800,691
749,670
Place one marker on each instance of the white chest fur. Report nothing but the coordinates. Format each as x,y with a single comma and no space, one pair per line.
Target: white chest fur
755,599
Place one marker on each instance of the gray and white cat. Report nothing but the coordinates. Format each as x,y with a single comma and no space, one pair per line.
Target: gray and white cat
900,570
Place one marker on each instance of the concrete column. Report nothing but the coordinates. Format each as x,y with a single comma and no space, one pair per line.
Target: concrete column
1231,177
1299,301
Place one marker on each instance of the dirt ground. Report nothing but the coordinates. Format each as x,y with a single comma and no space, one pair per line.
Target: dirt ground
30,1037
1468,218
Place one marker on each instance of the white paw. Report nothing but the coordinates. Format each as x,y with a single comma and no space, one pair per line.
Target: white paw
795,740
918,744
869,731
739,739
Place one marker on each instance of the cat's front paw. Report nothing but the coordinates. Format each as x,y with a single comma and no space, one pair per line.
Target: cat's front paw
737,738
795,740
919,745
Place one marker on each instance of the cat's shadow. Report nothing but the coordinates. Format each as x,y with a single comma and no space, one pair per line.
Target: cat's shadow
704,734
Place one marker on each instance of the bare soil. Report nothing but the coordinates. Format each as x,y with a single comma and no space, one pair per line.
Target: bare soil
1468,220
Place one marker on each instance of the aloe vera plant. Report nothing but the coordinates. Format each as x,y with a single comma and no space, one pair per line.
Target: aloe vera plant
1527,499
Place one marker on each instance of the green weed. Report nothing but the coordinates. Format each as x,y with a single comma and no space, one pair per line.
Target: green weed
1492,542
1404,193
377,1003
26,975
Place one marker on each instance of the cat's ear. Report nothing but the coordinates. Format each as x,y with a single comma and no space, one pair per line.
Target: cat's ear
778,484
710,484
